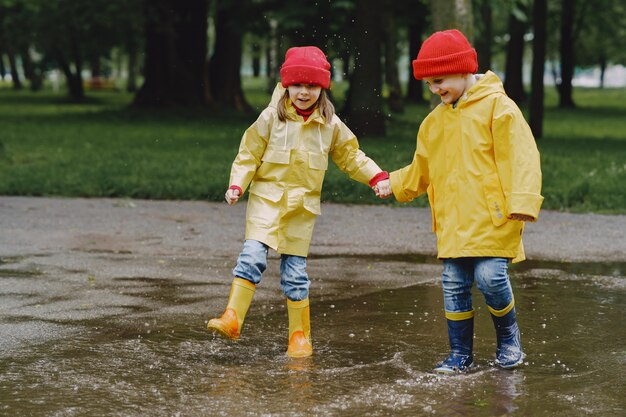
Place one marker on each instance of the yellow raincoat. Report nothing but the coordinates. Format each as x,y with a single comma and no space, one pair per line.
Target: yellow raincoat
284,163
479,164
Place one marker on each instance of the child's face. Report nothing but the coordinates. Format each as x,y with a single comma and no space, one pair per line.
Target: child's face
304,96
448,87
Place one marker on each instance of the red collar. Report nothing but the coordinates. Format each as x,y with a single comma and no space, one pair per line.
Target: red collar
304,113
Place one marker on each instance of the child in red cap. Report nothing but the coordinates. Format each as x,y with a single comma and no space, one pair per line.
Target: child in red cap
283,156
478,162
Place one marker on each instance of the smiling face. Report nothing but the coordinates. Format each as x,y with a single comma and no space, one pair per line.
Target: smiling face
449,87
304,96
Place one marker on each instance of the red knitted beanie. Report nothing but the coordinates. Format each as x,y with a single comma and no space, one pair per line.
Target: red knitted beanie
445,52
305,65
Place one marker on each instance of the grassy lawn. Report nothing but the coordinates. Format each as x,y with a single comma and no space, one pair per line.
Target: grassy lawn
105,149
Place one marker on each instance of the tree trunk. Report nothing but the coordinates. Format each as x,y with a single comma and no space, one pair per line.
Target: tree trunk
567,55
450,14
513,79
273,56
268,59
484,39
345,63
30,72
226,60
453,14
96,66
3,69
415,90
77,91
603,64
74,81
364,104
176,49
256,59
15,76
540,12
392,78
133,70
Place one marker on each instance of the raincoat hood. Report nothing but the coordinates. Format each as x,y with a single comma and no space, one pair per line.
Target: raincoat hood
485,85
278,92
292,114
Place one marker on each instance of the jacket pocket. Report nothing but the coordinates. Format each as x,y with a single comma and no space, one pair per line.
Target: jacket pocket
276,156
431,202
312,204
267,190
495,200
318,161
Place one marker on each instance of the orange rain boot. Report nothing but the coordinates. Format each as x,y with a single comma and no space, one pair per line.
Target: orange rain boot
299,329
229,325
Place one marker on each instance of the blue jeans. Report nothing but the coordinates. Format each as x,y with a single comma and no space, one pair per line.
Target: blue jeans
252,262
491,276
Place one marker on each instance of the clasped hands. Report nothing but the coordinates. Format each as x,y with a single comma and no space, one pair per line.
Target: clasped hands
383,189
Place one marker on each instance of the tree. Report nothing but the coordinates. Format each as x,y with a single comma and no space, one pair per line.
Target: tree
176,50
13,39
513,82
540,12
484,33
452,14
567,54
225,67
364,106
600,43
417,27
392,78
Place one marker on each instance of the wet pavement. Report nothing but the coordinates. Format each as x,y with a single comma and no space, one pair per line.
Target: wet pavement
104,303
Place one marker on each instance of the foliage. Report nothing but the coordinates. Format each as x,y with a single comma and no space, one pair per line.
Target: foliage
602,36
104,149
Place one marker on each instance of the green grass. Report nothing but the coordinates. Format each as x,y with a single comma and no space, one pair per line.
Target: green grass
104,148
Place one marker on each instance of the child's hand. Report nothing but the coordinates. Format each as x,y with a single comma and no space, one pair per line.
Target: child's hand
522,217
383,189
232,196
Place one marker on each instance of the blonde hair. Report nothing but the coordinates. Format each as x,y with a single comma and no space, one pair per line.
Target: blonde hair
326,107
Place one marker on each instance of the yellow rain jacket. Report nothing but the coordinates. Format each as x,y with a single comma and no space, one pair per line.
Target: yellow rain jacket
479,164
284,163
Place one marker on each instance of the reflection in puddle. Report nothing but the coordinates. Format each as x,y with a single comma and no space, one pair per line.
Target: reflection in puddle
373,356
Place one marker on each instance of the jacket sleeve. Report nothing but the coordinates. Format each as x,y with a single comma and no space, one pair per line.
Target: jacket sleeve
517,160
251,150
346,154
411,181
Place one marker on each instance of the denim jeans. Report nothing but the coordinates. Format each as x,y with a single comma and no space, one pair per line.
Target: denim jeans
252,262
491,276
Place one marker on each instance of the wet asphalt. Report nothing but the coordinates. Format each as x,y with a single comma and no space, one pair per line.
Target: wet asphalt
66,264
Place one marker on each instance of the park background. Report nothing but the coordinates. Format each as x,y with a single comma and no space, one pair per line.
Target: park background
149,99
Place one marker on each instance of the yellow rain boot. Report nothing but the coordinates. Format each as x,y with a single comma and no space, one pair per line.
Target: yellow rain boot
299,329
229,325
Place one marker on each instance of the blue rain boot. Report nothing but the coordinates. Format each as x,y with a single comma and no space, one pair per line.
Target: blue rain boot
509,349
460,359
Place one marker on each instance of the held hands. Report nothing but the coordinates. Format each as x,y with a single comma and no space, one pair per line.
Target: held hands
522,217
232,196
383,189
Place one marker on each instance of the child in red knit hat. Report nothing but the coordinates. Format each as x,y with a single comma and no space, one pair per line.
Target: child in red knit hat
477,160
283,157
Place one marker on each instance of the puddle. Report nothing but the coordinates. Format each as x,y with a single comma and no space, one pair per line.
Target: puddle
373,356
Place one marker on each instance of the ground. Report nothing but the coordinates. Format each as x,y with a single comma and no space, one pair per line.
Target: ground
63,261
